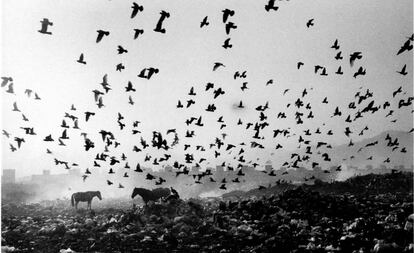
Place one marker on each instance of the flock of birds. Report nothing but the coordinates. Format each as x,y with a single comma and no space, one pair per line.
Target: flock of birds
363,104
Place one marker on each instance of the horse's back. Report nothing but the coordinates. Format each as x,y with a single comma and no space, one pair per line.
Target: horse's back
161,192
82,196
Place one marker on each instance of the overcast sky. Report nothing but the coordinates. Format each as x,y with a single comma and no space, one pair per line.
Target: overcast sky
267,45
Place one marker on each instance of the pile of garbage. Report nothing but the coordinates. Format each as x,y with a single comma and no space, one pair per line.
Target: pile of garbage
296,220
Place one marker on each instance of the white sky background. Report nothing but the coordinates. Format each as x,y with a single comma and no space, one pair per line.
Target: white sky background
266,44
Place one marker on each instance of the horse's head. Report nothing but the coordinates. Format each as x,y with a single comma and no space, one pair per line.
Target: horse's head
134,192
141,191
98,194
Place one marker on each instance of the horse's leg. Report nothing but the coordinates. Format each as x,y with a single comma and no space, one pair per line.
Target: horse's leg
89,204
76,205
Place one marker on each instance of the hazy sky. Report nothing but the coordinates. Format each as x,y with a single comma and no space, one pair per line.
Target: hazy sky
267,45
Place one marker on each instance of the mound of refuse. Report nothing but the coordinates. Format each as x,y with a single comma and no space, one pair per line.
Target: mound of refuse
296,220
401,182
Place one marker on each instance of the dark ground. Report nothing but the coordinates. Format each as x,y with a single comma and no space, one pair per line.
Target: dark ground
364,214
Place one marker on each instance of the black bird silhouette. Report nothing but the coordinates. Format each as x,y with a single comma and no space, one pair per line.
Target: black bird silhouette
192,93
5,133
218,92
109,182
335,45
338,56
158,27
323,73
64,135
244,86
347,131
45,24
148,72
300,64
361,71
80,60
121,50
339,71
204,22
105,85
149,176
129,87
229,26
120,67
403,71
101,34
64,125
88,115
19,141
271,6
310,23
135,9
10,89
399,90
209,86
15,109
337,112
354,56
190,102
217,65
61,143
269,82
138,32
406,47
317,68
227,44
130,101
48,138
226,14
179,104
6,80
12,148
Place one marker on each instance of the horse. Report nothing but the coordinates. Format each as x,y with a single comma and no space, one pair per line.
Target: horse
148,195
85,197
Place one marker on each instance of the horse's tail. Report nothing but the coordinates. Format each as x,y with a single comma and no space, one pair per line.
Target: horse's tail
73,199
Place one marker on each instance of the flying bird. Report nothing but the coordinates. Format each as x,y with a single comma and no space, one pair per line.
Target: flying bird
15,109
227,44
121,50
138,32
45,25
335,45
204,22
406,47
310,23
101,34
81,60
403,70
135,9
354,56
226,14
217,65
271,6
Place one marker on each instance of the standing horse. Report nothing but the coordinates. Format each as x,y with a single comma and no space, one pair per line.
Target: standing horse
85,197
148,195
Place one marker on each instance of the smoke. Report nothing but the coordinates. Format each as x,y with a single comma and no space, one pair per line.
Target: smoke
345,173
211,194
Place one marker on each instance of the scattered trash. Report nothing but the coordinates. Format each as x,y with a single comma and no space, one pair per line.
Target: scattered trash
297,220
